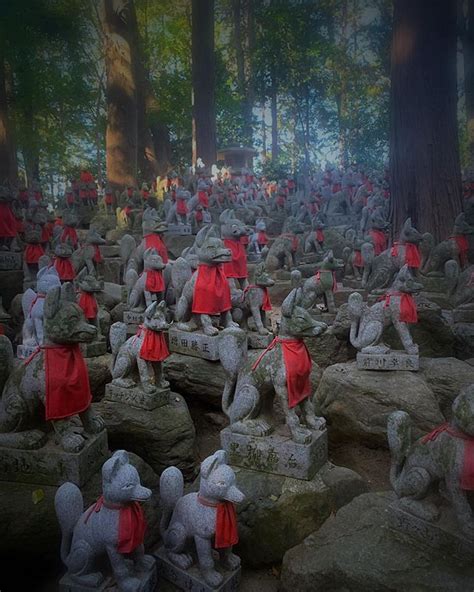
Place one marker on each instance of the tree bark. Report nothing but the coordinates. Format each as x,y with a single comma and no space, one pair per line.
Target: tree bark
121,93
274,111
8,169
468,50
425,167
203,80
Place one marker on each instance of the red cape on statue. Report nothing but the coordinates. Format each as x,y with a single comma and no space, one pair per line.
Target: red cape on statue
203,199
7,221
412,254
211,291
379,239
467,477
408,311
267,305
154,348
181,206
154,241
33,253
463,248
319,235
298,368
69,233
65,268
154,281
237,268
226,534
88,303
132,523
358,261
262,238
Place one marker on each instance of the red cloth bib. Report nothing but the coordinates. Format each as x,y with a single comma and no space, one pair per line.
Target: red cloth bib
154,241
262,238
109,199
379,239
203,199
97,254
69,233
412,254
294,241
67,381
212,291
463,247
88,303
237,268
65,269
181,207
132,523
199,216
408,311
319,235
154,281
467,477
7,221
358,261
334,281
33,253
154,348
298,368
226,534
267,305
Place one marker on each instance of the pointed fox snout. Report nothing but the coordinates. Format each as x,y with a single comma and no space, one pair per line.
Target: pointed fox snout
141,494
234,495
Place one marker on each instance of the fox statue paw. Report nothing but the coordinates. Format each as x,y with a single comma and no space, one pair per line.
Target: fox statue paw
316,423
130,585
72,442
301,435
210,331
93,424
145,563
230,561
212,577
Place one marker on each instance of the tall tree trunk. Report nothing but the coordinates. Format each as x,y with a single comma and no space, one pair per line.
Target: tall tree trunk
203,80
468,49
425,168
264,134
274,110
8,171
121,93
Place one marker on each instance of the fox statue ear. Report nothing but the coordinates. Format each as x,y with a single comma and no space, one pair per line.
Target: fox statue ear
67,292
112,466
52,302
290,302
224,217
150,311
407,224
161,305
212,462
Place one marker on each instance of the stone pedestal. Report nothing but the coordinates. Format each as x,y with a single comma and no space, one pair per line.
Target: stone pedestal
179,229
94,349
193,343
137,397
25,351
394,360
148,582
257,341
463,315
133,319
191,580
277,453
51,465
445,534
10,261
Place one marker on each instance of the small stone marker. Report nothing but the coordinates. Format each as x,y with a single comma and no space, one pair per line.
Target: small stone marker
393,360
194,344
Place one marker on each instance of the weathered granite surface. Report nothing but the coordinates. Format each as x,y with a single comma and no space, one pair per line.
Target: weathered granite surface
392,361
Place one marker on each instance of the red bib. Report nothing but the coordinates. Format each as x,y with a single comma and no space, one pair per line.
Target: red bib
358,261
319,235
67,381
203,199
294,241
237,268
412,254
211,291
334,281
226,534
132,524
262,238
408,312
88,303
467,477
154,348
97,254
154,241
379,239
266,305
33,253
298,368
7,221
463,247
181,207
154,281
69,233
65,269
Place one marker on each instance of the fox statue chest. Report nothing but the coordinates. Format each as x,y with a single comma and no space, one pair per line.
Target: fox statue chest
100,529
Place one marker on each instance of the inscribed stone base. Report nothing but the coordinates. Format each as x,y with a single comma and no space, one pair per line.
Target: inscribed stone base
277,453
394,360
463,315
148,582
137,397
51,465
10,260
444,534
131,317
257,341
94,349
191,580
193,343
180,229
24,351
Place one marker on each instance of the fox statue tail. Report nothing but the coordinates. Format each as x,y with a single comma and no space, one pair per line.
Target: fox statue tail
399,435
171,491
69,507
233,355
6,360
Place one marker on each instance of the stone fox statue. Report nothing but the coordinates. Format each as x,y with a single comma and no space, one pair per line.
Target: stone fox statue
33,304
97,533
206,296
148,286
322,283
43,384
443,457
284,250
369,322
249,389
254,301
193,519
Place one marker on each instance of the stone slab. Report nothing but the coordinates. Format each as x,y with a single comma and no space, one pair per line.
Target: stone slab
110,250
191,580
25,351
393,360
444,534
257,341
94,349
193,343
51,465
148,583
180,229
136,397
10,261
276,453
463,315
131,317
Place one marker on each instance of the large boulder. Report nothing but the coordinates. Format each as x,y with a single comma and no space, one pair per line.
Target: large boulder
279,512
356,403
446,377
163,437
355,551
